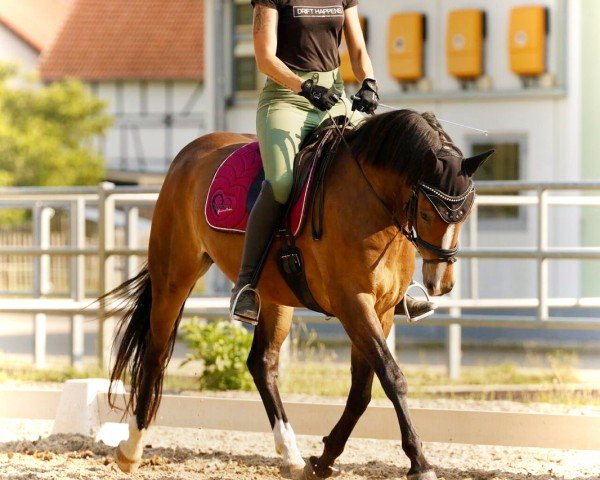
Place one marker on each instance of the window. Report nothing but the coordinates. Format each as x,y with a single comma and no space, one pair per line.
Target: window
504,165
246,77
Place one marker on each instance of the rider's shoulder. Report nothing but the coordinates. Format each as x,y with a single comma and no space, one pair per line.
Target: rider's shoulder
267,3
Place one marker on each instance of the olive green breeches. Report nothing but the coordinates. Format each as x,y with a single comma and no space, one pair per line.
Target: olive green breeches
284,119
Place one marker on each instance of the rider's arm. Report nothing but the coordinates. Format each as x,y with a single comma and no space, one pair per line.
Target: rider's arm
265,47
355,40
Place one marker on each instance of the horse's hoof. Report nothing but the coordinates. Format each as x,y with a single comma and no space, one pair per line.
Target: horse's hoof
294,472
310,470
428,475
124,464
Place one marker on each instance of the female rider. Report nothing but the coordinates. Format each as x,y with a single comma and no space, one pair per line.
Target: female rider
296,45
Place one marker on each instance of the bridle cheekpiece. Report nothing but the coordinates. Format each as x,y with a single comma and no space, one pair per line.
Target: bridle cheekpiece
451,209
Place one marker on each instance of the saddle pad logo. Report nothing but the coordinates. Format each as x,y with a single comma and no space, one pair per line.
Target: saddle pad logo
220,204
332,11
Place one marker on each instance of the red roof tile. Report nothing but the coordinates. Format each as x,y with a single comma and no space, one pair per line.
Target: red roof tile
129,39
35,21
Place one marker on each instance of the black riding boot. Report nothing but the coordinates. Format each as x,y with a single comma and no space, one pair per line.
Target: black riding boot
264,219
417,309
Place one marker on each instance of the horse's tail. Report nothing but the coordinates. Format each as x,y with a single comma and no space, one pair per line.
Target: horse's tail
133,300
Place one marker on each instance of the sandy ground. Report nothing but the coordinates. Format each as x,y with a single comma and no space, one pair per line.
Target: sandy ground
28,451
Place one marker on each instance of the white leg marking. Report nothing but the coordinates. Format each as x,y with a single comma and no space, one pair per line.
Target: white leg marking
133,447
285,443
441,267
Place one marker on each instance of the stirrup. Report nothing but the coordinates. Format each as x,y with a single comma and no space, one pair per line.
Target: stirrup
410,319
240,318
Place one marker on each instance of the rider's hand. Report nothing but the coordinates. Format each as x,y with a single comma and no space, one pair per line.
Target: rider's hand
366,100
319,96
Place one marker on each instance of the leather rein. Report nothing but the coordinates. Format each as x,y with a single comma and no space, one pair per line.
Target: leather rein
443,255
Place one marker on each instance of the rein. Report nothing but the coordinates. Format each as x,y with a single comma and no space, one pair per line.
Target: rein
444,255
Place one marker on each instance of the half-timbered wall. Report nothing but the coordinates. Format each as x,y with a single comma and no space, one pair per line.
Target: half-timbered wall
153,121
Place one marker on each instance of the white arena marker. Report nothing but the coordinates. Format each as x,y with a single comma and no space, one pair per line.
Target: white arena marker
78,411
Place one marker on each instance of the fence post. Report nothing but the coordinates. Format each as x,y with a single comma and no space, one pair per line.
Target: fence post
454,331
41,278
473,242
542,262
131,232
106,225
77,284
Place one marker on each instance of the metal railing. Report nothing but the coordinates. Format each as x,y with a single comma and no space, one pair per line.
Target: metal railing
108,200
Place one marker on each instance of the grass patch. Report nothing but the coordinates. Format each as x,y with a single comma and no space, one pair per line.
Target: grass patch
333,379
320,376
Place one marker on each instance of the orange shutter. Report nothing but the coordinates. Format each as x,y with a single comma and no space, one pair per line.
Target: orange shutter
527,40
464,43
406,37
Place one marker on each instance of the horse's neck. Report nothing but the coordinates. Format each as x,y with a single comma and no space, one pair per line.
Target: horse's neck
364,231
368,208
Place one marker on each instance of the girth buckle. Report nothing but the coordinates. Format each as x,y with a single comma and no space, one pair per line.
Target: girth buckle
291,263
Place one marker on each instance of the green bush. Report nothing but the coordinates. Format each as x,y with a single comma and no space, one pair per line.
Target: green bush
47,132
223,349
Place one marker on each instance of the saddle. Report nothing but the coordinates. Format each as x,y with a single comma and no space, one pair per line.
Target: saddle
236,185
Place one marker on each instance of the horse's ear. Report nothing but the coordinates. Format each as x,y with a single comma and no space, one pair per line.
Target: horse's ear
471,164
430,162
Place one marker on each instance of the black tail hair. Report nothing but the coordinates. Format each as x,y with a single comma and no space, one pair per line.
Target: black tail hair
133,300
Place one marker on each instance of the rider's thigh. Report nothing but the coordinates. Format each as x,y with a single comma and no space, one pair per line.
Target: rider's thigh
281,127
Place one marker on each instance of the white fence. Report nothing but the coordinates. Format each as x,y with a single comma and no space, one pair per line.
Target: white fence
111,202
434,425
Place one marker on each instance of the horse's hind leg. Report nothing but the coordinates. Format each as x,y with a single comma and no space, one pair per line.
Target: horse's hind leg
272,329
358,400
170,289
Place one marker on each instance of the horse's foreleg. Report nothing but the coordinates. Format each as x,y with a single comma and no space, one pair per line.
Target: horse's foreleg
272,329
358,400
366,333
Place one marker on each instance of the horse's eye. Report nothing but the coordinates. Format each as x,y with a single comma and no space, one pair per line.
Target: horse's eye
424,216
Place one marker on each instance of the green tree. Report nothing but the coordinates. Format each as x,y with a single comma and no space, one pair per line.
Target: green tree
47,132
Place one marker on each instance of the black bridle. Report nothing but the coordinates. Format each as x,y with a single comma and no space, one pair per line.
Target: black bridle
451,209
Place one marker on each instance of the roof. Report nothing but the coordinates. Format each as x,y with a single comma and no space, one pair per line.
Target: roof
36,22
129,40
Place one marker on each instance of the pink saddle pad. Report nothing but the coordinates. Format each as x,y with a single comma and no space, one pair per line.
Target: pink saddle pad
235,187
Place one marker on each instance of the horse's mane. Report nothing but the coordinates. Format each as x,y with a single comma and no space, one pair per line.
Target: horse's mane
399,140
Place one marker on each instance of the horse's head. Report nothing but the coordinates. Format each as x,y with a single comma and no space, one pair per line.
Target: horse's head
437,206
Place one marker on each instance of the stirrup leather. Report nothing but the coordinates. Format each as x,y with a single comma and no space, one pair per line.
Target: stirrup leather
240,318
410,319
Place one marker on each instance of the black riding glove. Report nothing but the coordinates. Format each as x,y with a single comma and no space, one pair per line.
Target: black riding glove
366,100
319,96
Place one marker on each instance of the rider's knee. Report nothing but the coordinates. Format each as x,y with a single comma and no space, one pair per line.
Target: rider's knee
282,186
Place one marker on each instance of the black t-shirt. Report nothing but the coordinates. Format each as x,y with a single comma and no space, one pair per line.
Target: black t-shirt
309,32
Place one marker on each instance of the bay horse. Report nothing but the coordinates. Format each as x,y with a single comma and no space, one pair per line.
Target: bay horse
397,183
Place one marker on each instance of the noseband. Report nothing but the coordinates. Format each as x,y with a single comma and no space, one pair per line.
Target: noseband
450,209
